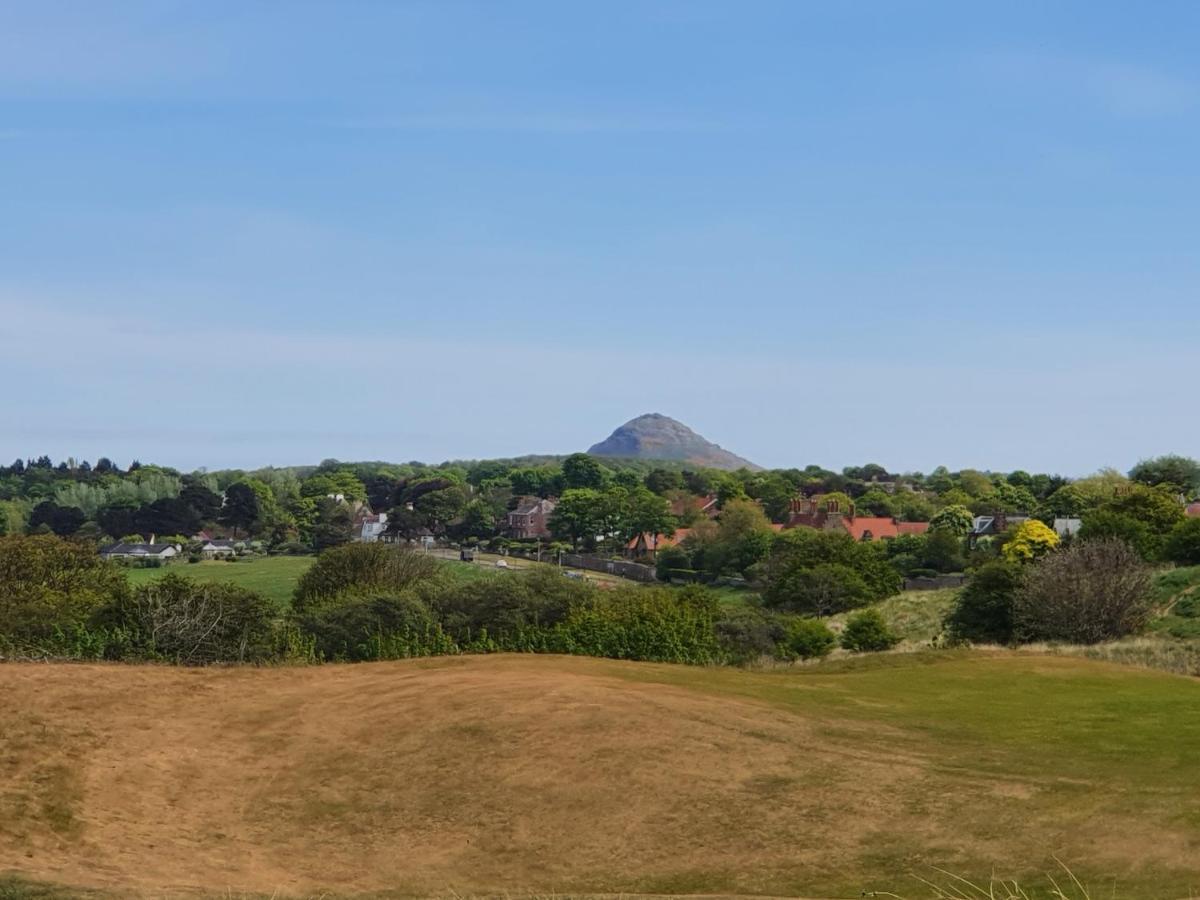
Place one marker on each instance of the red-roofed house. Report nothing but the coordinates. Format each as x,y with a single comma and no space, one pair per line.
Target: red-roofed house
648,543
827,515
1193,509
705,506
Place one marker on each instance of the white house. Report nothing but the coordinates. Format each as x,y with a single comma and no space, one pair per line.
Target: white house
139,551
369,527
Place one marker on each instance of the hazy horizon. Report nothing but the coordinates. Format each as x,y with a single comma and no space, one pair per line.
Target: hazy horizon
237,235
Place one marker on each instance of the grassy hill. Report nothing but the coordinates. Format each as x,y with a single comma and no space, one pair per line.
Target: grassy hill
571,775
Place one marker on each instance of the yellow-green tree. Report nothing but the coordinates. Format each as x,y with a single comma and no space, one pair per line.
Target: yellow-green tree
1031,539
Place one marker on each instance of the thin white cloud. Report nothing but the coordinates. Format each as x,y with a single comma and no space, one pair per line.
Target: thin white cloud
529,123
1118,87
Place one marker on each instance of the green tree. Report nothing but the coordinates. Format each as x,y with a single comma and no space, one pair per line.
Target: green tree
954,519
1183,544
1178,473
241,508
983,610
582,471
1108,523
578,517
1030,540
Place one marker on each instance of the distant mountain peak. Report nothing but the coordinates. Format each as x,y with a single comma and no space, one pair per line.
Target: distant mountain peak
655,436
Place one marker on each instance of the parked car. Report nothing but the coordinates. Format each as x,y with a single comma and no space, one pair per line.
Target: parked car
502,564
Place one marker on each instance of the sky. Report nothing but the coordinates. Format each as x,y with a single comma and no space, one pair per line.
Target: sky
235,234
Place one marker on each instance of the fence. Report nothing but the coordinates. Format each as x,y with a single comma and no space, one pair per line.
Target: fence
631,570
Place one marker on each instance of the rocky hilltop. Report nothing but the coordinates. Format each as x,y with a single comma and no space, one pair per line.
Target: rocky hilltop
655,436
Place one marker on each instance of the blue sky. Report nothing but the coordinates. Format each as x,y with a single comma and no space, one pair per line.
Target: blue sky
911,233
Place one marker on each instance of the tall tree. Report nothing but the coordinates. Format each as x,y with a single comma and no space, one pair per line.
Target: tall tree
241,508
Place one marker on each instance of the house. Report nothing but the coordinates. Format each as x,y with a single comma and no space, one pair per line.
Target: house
827,515
705,506
530,519
1193,509
1067,526
122,550
647,543
215,548
369,527
990,526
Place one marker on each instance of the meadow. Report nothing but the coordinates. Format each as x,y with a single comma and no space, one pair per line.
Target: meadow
272,576
565,775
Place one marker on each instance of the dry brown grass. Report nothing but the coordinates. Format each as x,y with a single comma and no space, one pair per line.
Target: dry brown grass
510,774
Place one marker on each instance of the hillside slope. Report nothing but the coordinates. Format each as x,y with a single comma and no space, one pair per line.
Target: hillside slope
655,436
515,773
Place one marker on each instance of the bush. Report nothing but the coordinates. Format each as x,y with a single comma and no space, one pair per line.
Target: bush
1183,544
807,639
866,631
807,548
671,559
195,623
1093,591
655,624
374,626
822,590
745,633
291,548
361,567
1029,541
506,605
49,585
983,611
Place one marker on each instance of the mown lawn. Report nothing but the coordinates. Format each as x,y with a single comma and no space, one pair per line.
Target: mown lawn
272,576
1021,758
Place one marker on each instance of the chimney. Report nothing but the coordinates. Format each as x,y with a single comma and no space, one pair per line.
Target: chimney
152,536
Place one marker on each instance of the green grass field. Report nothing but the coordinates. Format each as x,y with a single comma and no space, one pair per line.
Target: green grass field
272,576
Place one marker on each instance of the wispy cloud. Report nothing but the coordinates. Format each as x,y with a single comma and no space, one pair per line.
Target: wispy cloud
529,123
1121,88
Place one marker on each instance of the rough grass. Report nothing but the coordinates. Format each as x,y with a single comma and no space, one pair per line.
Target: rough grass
511,774
916,616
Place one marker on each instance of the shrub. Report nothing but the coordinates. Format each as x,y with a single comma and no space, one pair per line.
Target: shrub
361,567
49,585
983,611
366,627
1093,591
291,548
944,551
866,631
1028,541
655,624
505,605
1183,544
807,549
195,623
670,559
807,639
822,590
745,633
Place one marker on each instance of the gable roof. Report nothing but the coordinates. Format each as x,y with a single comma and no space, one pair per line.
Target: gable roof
137,549
647,540
879,526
